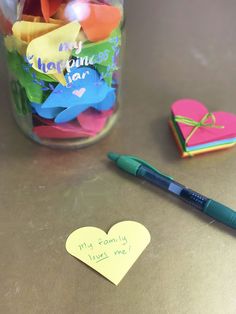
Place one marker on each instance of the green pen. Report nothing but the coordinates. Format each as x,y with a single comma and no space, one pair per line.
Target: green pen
142,169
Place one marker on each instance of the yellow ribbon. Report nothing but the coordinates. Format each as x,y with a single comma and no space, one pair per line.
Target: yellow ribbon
197,125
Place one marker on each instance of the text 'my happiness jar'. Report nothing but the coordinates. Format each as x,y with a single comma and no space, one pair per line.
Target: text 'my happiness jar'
64,63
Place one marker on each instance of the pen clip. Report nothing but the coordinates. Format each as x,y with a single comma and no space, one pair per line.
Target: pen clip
144,163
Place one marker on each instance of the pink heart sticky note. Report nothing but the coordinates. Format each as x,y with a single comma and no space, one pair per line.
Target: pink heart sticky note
93,120
195,110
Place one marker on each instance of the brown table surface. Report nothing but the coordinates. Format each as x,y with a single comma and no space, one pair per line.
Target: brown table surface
175,49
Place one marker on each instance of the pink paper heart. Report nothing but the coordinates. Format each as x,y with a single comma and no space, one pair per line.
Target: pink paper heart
59,132
195,110
93,120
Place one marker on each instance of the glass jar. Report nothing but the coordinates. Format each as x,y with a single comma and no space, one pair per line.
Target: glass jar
64,63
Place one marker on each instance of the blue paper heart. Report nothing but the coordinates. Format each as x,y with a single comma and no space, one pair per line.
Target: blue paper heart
47,113
72,112
84,89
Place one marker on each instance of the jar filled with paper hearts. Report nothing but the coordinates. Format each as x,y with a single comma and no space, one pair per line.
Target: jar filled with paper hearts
64,63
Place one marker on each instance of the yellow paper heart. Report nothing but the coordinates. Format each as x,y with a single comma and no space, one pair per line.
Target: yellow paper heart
27,31
44,52
112,254
12,43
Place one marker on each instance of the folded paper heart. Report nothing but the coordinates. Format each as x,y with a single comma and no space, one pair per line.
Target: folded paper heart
203,123
21,102
49,8
103,55
112,254
45,8
44,52
198,149
102,52
198,131
195,110
64,131
13,44
27,31
39,19
94,120
100,20
16,64
91,122
84,90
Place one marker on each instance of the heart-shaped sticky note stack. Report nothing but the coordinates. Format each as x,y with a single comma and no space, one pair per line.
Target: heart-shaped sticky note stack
112,254
198,131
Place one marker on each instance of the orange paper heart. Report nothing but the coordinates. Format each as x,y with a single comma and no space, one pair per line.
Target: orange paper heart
101,21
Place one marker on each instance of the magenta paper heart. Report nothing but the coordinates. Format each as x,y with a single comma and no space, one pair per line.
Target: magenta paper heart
61,131
91,123
94,121
195,110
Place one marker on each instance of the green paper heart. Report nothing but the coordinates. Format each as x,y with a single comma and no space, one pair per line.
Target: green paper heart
106,73
103,51
20,100
25,75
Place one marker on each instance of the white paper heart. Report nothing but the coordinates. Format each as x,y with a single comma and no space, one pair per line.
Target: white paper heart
112,254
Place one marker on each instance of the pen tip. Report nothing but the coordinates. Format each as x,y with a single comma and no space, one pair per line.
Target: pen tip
113,156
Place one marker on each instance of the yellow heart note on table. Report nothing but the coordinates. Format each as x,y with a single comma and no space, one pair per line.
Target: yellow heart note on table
112,254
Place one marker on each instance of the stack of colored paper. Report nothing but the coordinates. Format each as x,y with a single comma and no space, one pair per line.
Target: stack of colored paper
198,131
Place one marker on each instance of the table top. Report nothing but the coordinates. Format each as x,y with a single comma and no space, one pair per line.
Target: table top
175,49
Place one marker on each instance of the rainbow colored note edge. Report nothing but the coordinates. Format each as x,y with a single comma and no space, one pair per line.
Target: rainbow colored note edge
198,131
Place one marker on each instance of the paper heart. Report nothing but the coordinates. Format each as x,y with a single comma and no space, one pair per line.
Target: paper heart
102,52
21,102
91,123
62,131
101,20
27,31
45,8
112,254
48,113
40,19
72,112
49,8
97,95
195,110
94,120
44,53
32,7
13,44
16,65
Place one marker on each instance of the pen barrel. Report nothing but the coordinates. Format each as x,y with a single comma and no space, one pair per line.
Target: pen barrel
193,198
221,213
